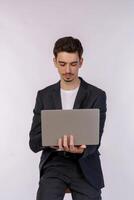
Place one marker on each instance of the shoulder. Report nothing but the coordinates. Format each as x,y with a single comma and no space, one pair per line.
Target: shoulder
92,89
48,90
95,95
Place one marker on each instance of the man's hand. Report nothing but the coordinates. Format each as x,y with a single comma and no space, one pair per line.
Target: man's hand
66,143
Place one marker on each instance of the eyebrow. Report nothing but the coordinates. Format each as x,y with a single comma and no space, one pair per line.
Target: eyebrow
66,62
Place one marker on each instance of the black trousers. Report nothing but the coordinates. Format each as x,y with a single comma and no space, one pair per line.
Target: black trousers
61,172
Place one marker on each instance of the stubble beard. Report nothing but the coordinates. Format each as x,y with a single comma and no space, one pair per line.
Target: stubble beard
69,79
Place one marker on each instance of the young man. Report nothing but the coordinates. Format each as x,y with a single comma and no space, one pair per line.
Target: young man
75,167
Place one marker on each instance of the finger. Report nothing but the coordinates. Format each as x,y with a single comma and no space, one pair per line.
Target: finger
83,146
79,150
60,143
71,142
65,142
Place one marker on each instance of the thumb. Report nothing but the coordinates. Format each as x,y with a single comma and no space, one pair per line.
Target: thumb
83,146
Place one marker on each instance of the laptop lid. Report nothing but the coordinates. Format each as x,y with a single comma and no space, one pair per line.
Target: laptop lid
83,124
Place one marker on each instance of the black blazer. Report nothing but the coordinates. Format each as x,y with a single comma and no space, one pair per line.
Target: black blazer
88,96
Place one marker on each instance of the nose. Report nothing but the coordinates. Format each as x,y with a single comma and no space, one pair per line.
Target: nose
68,69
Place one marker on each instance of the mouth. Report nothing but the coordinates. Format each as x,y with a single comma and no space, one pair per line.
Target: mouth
68,77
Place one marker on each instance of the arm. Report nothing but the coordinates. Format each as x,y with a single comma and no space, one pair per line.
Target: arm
35,132
101,104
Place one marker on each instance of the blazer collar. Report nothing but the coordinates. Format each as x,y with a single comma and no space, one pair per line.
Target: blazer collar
82,92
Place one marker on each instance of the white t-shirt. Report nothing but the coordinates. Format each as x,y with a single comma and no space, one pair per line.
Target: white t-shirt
68,98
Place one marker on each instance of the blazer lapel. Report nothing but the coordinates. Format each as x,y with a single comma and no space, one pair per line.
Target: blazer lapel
80,97
57,96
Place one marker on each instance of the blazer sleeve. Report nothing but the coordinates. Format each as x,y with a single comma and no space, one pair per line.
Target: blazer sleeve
35,141
101,104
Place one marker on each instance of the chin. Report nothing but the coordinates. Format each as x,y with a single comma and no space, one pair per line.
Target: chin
68,80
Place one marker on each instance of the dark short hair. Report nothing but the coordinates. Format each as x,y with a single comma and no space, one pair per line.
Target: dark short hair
68,44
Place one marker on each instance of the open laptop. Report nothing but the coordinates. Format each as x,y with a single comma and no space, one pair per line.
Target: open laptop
83,124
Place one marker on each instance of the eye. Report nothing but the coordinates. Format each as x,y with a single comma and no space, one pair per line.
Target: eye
62,64
73,64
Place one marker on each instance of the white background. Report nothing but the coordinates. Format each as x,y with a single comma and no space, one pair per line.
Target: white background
28,30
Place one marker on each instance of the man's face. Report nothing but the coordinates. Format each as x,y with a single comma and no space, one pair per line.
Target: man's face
68,65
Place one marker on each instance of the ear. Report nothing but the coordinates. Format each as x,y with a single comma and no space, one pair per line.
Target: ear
55,62
81,62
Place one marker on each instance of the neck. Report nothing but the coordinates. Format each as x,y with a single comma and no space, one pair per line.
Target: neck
70,85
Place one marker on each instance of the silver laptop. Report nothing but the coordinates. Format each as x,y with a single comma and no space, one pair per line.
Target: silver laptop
83,124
